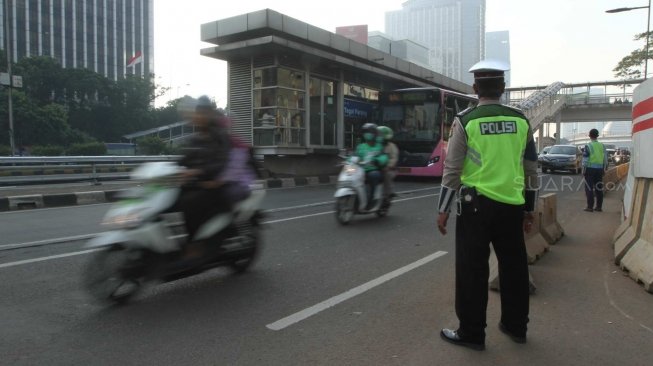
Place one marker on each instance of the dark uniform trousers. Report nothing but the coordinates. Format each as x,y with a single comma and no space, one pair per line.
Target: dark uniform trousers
499,224
594,187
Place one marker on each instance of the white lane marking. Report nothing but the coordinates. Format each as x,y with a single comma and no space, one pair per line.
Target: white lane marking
11,264
41,259
330,212
46,241
324,203
308,312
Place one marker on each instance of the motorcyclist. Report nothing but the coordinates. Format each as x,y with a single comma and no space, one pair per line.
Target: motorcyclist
371,154
205,157
391,150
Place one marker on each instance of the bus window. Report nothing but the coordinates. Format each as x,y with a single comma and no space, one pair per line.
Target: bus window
412,122
450,113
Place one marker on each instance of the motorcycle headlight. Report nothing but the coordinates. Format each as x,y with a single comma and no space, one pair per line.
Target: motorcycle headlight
350,169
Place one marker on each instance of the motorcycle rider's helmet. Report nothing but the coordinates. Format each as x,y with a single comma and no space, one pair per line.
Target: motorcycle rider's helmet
369,131
385,132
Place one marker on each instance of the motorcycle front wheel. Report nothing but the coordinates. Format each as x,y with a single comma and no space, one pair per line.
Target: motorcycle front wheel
345,209
104,277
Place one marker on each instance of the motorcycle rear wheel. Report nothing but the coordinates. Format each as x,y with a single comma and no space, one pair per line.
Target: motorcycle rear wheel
104,279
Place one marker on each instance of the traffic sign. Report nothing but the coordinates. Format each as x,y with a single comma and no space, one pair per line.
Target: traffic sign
17,81
4,78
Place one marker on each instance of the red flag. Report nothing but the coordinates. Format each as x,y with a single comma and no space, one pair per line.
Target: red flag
136,59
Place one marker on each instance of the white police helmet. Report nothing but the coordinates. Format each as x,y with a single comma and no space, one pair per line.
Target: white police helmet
489,69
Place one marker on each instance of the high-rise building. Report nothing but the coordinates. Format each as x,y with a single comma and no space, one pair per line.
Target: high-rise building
406,49
453,30
111,37
497,46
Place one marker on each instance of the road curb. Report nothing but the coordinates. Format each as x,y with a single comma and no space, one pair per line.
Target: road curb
23,202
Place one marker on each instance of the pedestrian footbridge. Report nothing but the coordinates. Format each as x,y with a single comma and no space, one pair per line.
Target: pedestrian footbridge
580,102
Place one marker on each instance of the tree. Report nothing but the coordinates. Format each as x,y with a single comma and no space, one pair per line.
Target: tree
632,66
43,78
151,145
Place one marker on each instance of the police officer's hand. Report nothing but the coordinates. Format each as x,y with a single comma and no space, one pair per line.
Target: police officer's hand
442,222
529,219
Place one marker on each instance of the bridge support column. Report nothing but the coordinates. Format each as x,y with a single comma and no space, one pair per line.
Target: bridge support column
540,136
558,126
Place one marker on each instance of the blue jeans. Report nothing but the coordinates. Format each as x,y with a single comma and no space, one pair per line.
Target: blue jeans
373,179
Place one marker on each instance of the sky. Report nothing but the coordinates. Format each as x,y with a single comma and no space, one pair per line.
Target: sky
550,40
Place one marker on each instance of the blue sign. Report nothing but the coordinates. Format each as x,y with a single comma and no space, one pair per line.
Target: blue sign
356,109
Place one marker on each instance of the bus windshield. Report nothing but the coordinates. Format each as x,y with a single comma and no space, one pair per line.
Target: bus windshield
413,123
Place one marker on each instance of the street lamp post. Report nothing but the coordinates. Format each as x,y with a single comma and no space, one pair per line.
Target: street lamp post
648,27
9,87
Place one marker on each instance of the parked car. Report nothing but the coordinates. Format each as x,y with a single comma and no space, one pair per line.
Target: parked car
545,150
562,157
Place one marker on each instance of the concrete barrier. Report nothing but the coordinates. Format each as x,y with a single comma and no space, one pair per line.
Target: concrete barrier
25,202
495,284
88,198
634,249
549,227
536,243
624,241
59,200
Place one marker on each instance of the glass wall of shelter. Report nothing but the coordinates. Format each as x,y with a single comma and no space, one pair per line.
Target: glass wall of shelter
310,106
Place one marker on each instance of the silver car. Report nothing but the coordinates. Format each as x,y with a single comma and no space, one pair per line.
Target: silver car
562,157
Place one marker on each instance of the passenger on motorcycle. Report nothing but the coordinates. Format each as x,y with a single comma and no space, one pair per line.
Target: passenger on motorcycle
371,155
390,149
215,177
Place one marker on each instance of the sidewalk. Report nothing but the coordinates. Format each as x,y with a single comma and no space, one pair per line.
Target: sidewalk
586,310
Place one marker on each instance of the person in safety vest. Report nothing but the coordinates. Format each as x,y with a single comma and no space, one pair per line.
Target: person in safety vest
595,162
491,164
390,149
371,155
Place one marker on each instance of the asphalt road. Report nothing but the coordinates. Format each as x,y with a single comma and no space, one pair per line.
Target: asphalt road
376,292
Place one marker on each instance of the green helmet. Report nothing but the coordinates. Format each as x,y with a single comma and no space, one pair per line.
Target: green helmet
386,132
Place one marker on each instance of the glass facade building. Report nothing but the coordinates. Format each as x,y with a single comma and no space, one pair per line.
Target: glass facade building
453,30
100,35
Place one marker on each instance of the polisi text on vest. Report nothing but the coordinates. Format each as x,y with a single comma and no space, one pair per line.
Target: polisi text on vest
498,128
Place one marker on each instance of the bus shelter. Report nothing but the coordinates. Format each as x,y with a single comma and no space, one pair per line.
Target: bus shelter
299,93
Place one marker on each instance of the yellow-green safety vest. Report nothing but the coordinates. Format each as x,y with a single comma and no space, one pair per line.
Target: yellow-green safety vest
496,140
596,155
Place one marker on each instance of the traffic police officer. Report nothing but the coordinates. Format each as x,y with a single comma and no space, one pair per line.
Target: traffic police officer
595,162
491,164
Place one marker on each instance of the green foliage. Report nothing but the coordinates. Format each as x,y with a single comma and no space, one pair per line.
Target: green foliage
60,106
87,149
151,145
47,150
632,65
5,150
172,150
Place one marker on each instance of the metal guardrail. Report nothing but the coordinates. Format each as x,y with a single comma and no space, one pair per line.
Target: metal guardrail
32,169
71,160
